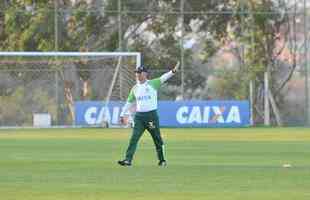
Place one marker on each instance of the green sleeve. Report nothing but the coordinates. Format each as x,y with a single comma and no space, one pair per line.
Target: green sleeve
131,97
155,83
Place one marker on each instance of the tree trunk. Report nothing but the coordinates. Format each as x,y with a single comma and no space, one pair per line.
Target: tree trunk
275,109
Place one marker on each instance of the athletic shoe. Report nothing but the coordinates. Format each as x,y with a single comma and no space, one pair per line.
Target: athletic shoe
162,163
124,162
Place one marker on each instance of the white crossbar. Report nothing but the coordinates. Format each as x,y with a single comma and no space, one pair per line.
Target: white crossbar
64,54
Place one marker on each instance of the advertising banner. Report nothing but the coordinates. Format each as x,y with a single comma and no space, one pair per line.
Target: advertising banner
171,113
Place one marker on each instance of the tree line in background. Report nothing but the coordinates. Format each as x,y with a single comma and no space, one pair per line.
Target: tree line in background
254,36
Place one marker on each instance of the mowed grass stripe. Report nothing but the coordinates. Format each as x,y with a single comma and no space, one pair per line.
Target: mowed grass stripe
230,134
226,164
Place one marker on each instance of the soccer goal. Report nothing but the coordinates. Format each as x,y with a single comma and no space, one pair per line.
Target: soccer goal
64,89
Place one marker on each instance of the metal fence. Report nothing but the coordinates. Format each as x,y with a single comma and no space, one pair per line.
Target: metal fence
176,30
47,84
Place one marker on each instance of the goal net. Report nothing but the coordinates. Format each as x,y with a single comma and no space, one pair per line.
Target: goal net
45,89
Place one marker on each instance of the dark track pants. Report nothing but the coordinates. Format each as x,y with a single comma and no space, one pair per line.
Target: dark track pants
150,122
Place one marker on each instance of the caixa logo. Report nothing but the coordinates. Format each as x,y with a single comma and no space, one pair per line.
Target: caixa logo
96,115
172,113
208,115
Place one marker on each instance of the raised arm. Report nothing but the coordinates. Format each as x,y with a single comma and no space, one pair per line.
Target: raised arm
169,74
166,76
156,83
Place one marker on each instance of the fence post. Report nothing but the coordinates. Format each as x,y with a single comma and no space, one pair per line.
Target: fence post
182,48
56,98
56,72
120,47
306,66
266,100
251,102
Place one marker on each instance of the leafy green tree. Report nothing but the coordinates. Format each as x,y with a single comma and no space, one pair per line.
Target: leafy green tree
153,28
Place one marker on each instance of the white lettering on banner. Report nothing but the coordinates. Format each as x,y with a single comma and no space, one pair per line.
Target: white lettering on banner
94,115
90,115
218,117
104,116
206,114
115,116
195,115
184,115
188,115
234,115
180,115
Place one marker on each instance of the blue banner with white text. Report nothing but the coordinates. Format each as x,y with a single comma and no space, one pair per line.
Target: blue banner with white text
171,113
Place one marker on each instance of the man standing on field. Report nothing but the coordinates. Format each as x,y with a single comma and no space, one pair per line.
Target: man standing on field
144,94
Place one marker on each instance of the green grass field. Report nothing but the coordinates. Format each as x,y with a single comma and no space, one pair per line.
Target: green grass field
215,164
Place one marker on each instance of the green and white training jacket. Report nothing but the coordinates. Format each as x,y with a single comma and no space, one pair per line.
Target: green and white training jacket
145,94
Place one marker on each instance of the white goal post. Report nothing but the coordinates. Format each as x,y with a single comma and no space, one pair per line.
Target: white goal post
72,54
29,77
